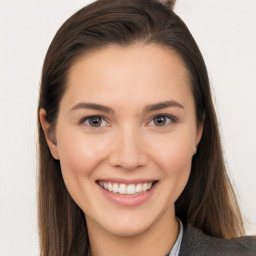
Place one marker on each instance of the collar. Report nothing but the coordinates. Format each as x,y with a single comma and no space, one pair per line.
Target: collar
176,248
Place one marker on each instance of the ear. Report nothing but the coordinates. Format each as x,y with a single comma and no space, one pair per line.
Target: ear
49,134
199,133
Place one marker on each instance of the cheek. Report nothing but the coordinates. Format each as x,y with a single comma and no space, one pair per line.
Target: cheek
79,153
176,166
174,158
176,152
80,156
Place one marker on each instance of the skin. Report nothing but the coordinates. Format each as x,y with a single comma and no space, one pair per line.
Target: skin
129,144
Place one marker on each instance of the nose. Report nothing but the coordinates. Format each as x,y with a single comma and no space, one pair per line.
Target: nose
128,151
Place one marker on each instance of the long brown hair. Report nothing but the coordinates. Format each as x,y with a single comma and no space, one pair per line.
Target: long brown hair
208,201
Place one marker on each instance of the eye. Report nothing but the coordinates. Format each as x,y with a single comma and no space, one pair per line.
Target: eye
95,121
161,120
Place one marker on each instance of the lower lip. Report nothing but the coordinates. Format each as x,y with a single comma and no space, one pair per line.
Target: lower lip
127,200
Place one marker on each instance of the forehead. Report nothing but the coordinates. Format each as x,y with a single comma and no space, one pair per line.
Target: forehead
136,72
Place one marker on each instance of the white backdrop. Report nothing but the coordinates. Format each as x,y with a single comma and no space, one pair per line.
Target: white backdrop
225,32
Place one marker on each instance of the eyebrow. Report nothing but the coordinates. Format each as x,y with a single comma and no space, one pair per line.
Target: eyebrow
93,106
148,108
161,105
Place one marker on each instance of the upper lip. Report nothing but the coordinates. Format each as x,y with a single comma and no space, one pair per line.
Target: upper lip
125,181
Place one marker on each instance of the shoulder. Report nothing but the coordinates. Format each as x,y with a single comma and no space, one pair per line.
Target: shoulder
195,242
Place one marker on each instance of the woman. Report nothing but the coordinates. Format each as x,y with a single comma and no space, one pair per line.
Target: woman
130,154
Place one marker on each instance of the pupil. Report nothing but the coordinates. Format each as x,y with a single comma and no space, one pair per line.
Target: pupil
159,120
95,121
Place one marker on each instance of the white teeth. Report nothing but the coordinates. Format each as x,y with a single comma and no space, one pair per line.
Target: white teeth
115,188
130,189
138,188
123,189
110,187
144,187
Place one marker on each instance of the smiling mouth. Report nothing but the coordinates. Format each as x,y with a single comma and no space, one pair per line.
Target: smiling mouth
127,189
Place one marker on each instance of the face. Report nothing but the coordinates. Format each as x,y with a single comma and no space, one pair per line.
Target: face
126,134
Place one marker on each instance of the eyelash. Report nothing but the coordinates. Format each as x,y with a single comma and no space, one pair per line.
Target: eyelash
87,118
102,118
166,116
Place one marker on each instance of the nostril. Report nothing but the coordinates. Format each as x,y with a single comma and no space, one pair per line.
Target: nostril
128,161
128,150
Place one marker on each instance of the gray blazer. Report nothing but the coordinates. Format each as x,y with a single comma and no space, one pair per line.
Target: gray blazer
196,243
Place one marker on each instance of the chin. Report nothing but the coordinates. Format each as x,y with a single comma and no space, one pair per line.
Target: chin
129,224
128,230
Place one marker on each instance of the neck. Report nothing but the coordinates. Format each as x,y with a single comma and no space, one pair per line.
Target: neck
158,239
